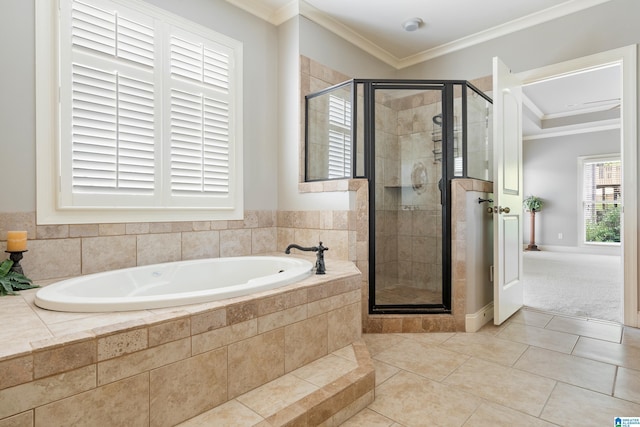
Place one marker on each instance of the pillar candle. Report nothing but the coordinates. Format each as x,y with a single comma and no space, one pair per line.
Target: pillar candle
16,241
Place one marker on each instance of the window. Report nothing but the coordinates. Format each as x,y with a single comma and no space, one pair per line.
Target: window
148,124
601,199
339,137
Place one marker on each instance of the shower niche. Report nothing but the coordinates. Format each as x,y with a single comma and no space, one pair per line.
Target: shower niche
409,139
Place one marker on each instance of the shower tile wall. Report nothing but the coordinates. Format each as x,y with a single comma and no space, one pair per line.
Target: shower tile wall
313,77
408,226
387,181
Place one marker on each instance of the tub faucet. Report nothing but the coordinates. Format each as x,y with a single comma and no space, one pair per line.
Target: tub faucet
320,268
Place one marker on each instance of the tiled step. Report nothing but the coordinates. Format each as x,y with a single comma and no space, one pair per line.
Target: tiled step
325,393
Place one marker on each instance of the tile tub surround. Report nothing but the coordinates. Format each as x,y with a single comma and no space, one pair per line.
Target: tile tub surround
68,250
162,367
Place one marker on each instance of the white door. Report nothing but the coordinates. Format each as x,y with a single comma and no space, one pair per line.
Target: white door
508,288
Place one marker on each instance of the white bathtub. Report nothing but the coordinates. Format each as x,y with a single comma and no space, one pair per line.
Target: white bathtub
172,284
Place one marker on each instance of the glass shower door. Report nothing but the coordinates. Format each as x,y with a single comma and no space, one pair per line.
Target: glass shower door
408,209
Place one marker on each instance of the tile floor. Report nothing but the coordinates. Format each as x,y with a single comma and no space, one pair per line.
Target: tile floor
537,369
255,407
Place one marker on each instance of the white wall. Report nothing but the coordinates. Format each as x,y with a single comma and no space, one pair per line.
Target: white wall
551,172
17,105
336,53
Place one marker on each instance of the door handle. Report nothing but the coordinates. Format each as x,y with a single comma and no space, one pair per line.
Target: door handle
504,210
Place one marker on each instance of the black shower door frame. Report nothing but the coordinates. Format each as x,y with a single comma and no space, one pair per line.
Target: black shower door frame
447,90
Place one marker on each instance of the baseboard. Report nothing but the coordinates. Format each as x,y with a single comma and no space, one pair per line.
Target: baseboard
473,322
594,250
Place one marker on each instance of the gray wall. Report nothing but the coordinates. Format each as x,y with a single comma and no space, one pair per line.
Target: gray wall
300,36
600,28
17,107
551,172
17,104
479,252
336,53
608,26
271,123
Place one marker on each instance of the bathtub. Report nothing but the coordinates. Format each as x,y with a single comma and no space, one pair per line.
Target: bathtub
172,284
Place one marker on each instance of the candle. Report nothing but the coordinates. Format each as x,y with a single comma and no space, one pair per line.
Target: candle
16,241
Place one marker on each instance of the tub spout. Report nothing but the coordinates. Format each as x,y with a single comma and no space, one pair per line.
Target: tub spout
320,267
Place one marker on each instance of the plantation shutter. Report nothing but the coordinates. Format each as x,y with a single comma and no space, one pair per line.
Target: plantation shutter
339,137
150,114
112,102
199,118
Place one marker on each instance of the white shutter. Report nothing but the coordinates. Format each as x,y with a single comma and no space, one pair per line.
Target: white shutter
112,133
149,116
112,112
197,62
199,144
93,28
110,33
200,118
94,133
339,137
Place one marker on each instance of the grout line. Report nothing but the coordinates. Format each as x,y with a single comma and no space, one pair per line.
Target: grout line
615,380
539,416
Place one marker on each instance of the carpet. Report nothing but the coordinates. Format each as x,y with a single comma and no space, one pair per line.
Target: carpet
582,285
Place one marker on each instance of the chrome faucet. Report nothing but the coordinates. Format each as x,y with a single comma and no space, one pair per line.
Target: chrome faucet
320,267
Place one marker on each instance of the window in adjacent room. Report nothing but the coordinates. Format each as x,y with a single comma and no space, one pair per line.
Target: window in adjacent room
148,123
601,199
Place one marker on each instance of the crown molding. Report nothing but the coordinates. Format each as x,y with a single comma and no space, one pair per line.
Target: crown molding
341,30
602,126
286,12
529,104
300,7
530,20
254,7
267,13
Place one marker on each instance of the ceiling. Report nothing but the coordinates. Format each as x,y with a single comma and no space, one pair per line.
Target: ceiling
573,103
376,26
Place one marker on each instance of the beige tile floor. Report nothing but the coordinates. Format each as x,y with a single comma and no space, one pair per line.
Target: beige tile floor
537,369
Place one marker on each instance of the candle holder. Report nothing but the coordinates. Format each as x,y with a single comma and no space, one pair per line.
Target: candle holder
16,256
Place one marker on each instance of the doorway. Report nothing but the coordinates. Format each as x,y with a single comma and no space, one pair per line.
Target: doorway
624,60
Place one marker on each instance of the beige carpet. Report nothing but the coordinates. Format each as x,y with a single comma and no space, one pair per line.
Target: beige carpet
581,285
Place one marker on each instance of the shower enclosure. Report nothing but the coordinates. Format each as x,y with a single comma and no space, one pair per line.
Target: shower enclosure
409,138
